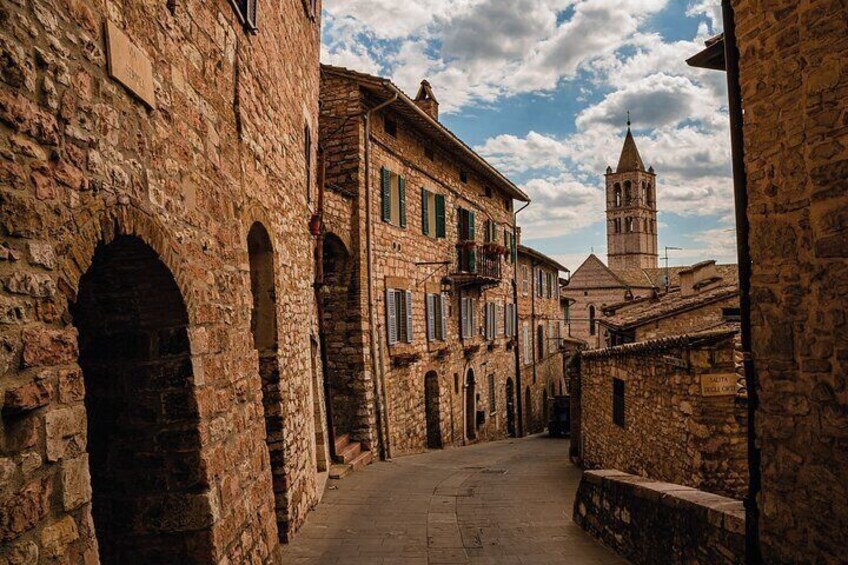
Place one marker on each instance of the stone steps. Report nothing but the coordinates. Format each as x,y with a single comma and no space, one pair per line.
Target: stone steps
350,457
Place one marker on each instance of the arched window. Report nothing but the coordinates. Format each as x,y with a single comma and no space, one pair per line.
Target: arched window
617,195
628,193
540,341
644,193
649,194
591,320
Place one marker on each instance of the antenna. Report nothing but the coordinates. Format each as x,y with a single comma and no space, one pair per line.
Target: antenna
667,278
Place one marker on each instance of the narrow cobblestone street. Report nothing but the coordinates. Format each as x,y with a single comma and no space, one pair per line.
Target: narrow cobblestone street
501,502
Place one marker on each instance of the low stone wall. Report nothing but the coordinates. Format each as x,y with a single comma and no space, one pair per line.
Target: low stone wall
650,521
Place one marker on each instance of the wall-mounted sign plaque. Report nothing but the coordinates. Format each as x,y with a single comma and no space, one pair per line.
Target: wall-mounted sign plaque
129,65
720,384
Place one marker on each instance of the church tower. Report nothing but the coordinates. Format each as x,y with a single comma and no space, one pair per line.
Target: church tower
631,211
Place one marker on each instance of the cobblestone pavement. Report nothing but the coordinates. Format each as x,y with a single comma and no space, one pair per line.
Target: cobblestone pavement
500,502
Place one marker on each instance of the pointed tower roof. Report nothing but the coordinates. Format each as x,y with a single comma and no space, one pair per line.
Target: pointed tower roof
630,159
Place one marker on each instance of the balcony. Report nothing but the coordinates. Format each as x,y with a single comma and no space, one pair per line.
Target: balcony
478,265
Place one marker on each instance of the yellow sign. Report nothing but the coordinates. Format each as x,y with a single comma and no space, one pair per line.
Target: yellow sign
129,65
721,384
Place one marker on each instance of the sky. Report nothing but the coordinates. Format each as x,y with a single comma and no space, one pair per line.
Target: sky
541,89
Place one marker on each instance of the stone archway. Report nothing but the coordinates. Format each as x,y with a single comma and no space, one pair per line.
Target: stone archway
263,326
150,494
432,410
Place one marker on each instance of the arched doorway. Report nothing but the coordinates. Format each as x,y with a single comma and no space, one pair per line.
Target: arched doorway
149,487
263,325
510,408
339,297
528,411
432,412
470,406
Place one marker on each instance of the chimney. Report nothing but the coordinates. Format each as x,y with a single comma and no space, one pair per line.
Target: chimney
698,277
426,101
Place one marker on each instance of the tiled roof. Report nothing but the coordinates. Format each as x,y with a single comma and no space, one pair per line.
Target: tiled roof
644,311
539,256
405,105
694,339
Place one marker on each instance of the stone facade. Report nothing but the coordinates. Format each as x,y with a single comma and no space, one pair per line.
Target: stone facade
157,308
794,77
668,429
651,522
425,389
540,333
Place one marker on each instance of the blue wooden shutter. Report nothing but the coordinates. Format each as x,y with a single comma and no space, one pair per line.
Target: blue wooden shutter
440,215
391,317
386,189
402,201
425,213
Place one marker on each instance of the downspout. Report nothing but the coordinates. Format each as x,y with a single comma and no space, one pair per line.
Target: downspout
520,412
740,193
376,356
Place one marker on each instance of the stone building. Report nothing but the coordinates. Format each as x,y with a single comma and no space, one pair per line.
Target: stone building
419,253
787,69
667,409
540,331
631,211
706,296
159,387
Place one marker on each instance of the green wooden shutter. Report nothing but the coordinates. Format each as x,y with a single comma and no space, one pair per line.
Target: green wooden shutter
440,215
402,201
425,213
386,189
471,226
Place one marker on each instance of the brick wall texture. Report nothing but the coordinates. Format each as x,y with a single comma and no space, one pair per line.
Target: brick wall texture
794,78
127,307
671,432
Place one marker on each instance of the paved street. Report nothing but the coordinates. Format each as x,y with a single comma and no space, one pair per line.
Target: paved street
501,502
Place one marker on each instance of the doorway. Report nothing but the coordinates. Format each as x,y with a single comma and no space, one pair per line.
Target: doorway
470,406
432,412
510,408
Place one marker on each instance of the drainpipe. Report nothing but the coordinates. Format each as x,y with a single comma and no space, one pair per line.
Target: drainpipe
317,228
740,193
519,430
376,354
533,332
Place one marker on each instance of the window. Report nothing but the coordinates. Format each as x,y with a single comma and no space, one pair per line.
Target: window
510,320
488,191
456,383
432,214
491,233
428,153
394,198
628,193
525,280
246,10
540,283
540,339
618,402
307,151
399,316
591,320
390,126
436,317
528,352
617,195
492,314
468,317
509,242
492,404
463,176
465,224
549,284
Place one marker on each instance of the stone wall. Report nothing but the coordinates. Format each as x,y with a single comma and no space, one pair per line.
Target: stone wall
125,256
671,431
651,522
398,254
794,76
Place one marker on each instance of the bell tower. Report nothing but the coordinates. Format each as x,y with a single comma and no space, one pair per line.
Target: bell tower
631,210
